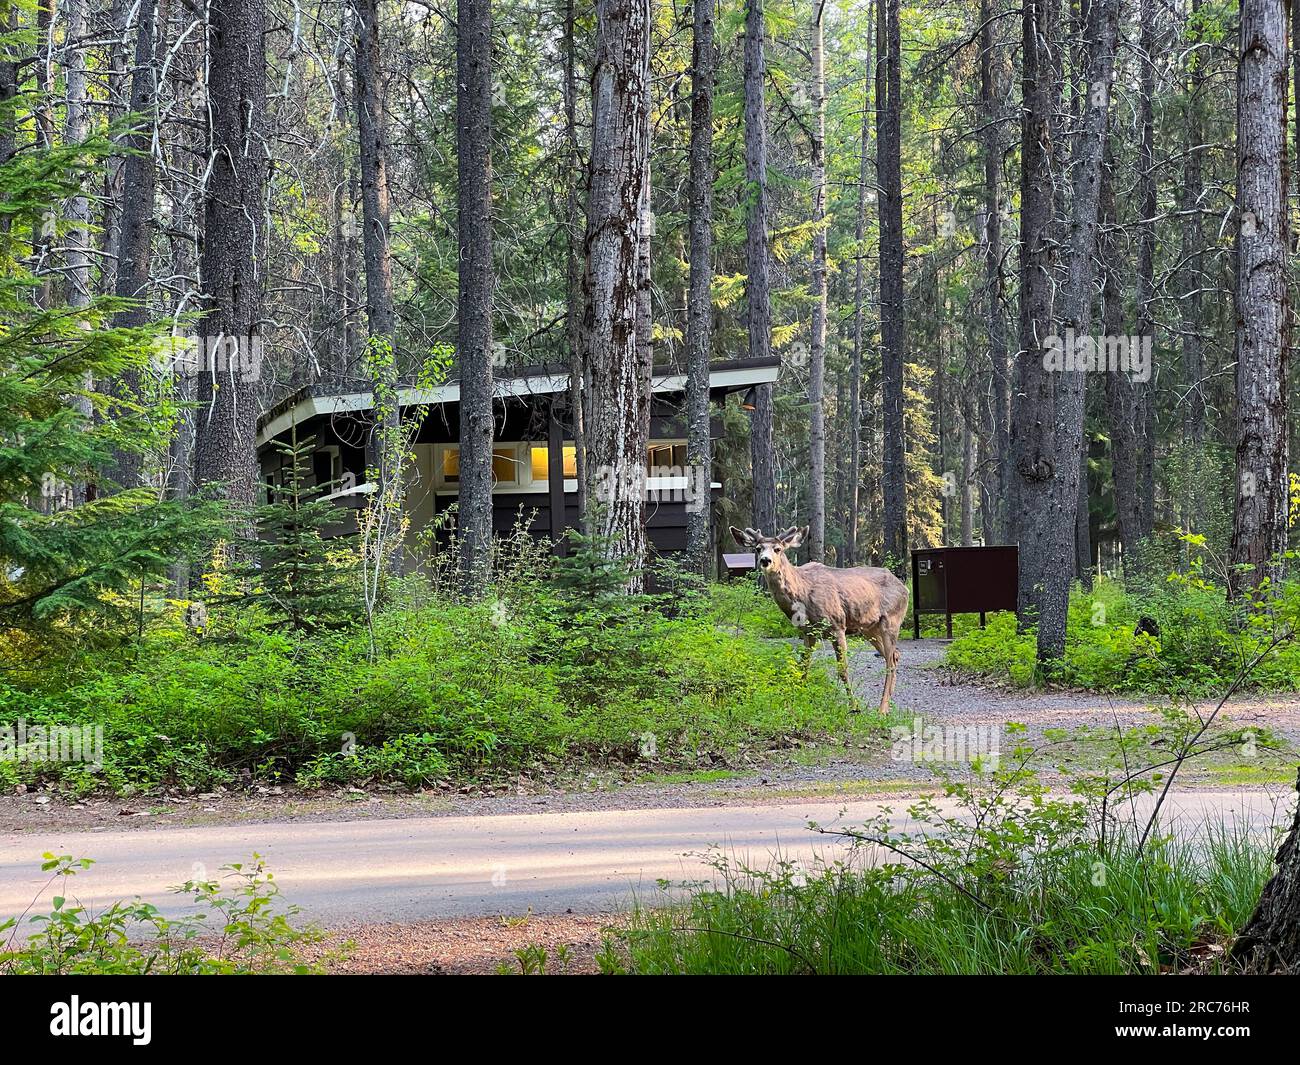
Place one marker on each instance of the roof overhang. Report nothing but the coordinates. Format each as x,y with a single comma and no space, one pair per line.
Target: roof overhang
300,409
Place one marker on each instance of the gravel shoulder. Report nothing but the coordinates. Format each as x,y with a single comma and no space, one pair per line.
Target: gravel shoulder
563,945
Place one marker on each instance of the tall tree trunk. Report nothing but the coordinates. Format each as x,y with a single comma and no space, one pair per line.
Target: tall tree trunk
817,286
119,16
182,176
1125,435
385,447
44,224
135,237
699,301
620,411
1192,255
233,251
8,90
1048,427
77,257
1033,407
757,295
573,266
998,463
893,329
859,266
474,351
1148,205
1259,528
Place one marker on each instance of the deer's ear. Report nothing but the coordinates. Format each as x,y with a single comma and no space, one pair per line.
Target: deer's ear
742,537
795,537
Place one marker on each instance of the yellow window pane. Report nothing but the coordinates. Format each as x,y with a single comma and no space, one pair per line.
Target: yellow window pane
541,462
451,464
503,464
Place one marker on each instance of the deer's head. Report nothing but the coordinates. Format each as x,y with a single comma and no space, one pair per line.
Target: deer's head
770,552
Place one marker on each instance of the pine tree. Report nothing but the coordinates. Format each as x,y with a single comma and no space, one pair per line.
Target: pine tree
302,569
64,551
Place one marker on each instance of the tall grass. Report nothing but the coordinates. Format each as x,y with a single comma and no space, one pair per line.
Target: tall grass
1168,910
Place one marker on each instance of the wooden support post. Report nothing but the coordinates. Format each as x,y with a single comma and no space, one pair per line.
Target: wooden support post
555,477
916,606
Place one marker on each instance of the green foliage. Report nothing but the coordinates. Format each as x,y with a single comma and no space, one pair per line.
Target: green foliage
748,607
238,929
70,540
538,676
1013,882
1198,644
307,576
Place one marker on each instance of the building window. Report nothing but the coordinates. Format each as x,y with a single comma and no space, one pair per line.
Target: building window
666,455
541,462
505,465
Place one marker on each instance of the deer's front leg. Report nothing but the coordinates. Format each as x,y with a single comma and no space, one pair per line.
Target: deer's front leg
809,643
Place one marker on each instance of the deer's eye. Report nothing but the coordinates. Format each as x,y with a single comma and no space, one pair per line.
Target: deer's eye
778,550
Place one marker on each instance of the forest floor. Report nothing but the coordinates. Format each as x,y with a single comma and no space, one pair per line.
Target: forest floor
847,767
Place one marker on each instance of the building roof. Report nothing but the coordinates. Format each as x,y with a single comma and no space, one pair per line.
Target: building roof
305,403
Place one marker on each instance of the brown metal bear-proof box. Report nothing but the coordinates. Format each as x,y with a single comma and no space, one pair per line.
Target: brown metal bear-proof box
963,580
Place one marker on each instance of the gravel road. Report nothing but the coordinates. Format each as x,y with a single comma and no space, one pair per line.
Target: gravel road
417,869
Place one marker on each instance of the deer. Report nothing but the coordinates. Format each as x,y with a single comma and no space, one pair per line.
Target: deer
824,602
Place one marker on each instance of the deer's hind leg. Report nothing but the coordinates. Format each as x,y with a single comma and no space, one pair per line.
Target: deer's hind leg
842,662
887,640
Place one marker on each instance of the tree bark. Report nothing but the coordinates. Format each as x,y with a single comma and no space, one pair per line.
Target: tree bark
699,301
135,235
233,252
77,257
1048,427
757,295
573,266
385,445
1192,256
618,436
1270,942
998,463
1033,408
1125,430
817,288
857,366
8,90
1148,205
474,351
1259,528
893,329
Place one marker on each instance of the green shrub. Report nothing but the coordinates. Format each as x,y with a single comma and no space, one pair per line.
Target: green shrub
236,929
535,677
1200,643
1015,883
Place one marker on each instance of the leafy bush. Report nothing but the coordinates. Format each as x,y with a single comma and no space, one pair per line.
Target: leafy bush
246,932
1180,638
455,691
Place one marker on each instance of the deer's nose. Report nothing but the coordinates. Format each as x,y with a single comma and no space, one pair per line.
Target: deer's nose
764,562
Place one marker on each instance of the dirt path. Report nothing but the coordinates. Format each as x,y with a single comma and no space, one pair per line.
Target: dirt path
926,688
